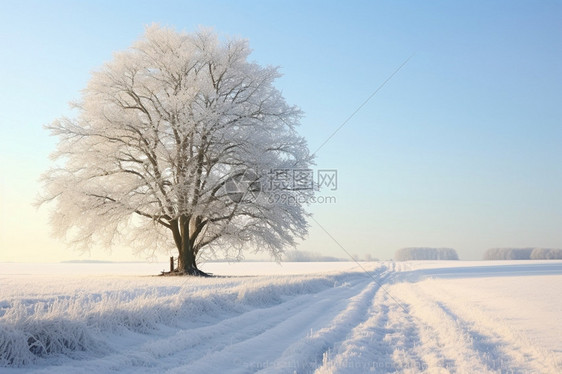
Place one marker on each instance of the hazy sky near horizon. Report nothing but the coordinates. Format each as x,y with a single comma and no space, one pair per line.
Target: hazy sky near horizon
462,148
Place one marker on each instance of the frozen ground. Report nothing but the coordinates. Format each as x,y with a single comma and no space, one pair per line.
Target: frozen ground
434,317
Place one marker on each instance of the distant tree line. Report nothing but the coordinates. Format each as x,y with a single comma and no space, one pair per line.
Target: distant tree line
424,253
305,256
523,254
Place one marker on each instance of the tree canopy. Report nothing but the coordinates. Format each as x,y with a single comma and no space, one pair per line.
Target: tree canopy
161,131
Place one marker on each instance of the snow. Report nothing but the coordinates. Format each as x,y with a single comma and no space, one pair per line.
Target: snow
334,317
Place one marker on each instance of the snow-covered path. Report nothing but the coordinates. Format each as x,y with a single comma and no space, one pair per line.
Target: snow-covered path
405,317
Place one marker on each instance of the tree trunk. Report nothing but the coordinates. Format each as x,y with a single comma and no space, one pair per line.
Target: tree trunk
186,252
186,258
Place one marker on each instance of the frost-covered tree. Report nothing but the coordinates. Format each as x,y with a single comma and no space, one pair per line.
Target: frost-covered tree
523,254
160,132
508,254
424,253
546,254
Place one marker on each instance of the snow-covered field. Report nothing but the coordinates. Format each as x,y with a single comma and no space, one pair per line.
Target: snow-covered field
435,317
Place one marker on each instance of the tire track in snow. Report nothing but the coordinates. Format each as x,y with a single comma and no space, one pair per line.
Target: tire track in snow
445,344
306,354
261,350
489,347
170,346
459,344
429,336
500,348
385,342
234,339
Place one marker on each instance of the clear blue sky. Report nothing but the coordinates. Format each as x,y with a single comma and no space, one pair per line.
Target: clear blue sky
462,148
